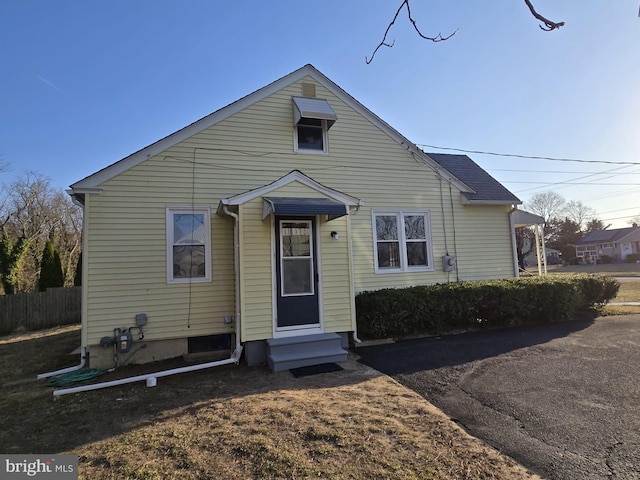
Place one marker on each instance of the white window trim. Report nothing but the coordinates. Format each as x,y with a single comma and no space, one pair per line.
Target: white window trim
171,211
311,151
404,267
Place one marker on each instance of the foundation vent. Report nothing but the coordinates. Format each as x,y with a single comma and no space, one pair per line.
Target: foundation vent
309,90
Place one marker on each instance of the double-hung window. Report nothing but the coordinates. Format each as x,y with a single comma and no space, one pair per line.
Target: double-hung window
402,241
188,245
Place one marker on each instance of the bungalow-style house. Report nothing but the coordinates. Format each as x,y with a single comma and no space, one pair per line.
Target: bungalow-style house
616,243
252,229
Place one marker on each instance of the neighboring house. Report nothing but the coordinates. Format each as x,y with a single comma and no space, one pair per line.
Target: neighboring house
616,243
553,257
258,224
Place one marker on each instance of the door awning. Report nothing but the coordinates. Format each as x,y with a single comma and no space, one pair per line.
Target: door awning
313,108
303,206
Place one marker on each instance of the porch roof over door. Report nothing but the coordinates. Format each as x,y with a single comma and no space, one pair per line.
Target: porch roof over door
334,204
303,206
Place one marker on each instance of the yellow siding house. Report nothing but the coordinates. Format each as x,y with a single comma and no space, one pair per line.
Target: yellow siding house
252,229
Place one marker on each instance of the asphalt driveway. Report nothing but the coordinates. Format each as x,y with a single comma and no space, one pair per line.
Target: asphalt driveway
563,400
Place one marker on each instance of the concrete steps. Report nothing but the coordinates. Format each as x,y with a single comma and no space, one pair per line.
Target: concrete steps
304,351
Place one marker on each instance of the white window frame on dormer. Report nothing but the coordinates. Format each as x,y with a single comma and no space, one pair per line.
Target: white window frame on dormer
205,241
313,151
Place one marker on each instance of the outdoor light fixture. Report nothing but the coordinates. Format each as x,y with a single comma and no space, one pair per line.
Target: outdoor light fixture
335,235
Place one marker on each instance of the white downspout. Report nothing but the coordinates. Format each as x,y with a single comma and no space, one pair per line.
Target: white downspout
150,378
83,360
354,335
236,264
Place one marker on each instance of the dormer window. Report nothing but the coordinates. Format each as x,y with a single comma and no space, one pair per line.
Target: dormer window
311,133
312,118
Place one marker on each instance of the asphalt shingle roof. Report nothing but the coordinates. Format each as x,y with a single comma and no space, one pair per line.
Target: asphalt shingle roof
605,236
487,189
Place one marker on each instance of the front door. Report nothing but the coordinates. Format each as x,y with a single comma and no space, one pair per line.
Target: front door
296,274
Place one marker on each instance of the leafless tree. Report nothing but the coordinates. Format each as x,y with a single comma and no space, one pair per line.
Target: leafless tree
31,211
578,212
548,205
547,25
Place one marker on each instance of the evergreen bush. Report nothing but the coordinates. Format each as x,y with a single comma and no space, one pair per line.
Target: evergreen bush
451,307
51,275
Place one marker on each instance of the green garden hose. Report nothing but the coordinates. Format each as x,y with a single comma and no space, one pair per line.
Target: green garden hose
77,376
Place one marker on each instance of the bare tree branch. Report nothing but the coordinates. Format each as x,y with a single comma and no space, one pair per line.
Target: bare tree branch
549,25
385,43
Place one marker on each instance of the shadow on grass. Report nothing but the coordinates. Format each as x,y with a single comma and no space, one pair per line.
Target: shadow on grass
36,422
429,353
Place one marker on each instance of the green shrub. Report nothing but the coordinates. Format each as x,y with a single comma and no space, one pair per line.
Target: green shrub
459,306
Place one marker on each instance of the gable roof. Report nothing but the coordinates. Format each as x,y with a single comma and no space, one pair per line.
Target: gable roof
91,184
486,189
293,176
607,236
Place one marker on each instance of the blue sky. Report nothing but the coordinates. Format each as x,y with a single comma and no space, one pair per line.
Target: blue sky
84,84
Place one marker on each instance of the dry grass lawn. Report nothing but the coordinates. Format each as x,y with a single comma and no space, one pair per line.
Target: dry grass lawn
234,422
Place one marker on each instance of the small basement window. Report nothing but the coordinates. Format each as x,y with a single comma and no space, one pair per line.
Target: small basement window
209,343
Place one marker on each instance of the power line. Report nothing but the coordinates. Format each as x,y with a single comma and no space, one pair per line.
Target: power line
568,182
513,155
559,172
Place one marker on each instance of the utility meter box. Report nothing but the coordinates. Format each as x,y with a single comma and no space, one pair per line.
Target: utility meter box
124,341
448,263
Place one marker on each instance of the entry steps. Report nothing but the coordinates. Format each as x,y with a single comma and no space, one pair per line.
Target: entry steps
304,351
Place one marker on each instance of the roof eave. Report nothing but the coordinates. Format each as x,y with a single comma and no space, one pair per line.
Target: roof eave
466,201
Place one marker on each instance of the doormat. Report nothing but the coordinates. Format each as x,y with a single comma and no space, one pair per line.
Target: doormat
315,369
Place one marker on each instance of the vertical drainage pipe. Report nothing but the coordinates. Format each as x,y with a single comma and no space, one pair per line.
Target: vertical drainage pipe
236,265
354,334
83,360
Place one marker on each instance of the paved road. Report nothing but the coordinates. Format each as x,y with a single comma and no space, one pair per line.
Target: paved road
563,400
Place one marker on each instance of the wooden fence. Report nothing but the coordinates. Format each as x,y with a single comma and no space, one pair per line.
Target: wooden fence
34,311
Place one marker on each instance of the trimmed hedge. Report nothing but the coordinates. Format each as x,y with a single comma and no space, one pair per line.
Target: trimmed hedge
632,258
450,307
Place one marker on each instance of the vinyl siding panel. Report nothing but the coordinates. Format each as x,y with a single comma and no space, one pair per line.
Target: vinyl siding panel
255,272
126,260
254,147
337,294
